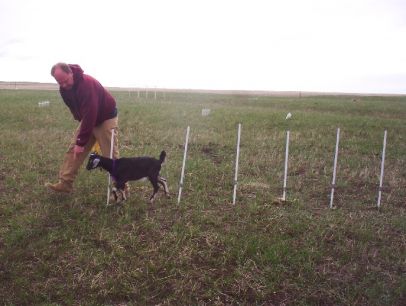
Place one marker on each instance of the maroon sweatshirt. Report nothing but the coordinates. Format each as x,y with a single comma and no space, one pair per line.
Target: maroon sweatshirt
88,102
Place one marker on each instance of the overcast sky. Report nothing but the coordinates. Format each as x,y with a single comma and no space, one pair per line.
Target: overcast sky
293,45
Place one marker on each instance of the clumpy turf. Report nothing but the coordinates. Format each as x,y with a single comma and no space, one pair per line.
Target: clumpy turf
73,250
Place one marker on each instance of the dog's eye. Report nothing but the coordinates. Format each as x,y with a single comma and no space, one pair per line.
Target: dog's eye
96,162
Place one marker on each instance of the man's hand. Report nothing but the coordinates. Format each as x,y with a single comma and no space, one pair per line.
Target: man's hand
77,150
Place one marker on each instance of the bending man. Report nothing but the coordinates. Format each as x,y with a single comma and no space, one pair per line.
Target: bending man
95,108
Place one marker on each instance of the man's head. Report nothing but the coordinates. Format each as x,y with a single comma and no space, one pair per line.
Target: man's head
63,75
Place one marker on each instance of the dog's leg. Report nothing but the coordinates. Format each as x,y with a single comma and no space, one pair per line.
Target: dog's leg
154,182
113,195
119,196
162,181
121,192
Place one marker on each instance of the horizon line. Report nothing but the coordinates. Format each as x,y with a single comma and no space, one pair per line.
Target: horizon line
30,85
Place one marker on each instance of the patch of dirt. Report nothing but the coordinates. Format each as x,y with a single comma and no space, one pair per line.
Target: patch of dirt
213,151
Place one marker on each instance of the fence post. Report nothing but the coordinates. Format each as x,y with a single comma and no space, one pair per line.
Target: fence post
236,163
333,184
183,164
111,157
285,176
382,170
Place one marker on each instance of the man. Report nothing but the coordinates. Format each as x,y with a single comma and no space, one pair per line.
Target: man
95,108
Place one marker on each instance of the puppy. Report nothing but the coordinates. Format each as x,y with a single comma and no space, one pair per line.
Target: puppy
124,169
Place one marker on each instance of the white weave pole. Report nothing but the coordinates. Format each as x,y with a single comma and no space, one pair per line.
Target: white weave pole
285,176
382,169
236,163
183,164
333,184
111,157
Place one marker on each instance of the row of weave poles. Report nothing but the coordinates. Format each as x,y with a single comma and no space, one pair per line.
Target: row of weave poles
283,198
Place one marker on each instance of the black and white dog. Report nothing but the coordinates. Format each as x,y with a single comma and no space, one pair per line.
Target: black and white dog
124,169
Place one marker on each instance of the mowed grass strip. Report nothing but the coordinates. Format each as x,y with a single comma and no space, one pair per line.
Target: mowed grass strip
73,250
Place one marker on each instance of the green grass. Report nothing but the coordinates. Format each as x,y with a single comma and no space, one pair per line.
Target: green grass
73,250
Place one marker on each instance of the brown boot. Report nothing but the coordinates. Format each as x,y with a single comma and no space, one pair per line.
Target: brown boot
61,186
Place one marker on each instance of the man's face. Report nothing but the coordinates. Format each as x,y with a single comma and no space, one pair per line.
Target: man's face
65,80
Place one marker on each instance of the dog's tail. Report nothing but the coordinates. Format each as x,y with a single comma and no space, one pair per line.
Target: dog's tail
162,157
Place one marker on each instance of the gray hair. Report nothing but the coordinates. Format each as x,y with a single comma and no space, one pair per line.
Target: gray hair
63,66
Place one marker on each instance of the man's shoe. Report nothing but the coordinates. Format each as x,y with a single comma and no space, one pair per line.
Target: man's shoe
60,187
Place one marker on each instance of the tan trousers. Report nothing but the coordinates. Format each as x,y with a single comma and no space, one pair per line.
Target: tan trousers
102,133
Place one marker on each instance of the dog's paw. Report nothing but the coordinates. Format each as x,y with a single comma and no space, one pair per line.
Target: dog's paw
113,195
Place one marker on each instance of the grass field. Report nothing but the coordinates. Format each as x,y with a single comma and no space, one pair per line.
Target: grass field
73,250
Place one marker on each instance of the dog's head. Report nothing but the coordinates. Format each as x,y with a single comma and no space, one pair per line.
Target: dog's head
93,162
